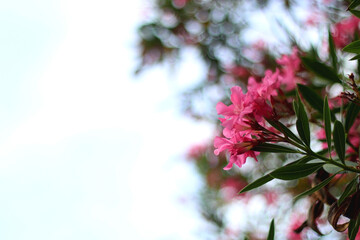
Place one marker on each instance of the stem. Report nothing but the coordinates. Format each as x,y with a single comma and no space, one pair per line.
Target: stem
308,151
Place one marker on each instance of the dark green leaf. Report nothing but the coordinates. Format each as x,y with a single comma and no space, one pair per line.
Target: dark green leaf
354,4
351,114
350,188
332,51
257,183
282,128
311,97
314,189
327,123
339,140
302,124
305,159
353,47
353,230
295,171
296,107
320,69
271,234
274,148
355,58
356,13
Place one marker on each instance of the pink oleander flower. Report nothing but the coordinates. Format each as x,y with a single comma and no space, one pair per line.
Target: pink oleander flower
266,88
239,148
344,31
295,223
231,187
290,66
196,151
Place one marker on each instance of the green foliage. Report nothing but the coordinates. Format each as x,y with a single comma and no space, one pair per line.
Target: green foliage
320,69
257,183
332,51
295,171
350,189
311,97
271,234
274,148
327,123
353,47
354,4
351,114
302,123
314,189
339,140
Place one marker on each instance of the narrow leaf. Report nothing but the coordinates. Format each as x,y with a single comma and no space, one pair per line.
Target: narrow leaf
354,4
353,47
327,123
332,51
339,140
356,57
285,130
355,228
295,171
348,190
302,124
271,234
356,13
330,168
296,107
351,114
257,183
320,69
311,97
314,189
274,148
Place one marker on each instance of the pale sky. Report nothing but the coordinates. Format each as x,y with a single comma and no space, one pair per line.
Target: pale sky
88,151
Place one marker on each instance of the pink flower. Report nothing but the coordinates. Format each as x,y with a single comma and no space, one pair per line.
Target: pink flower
296,222
344,31
196,151
238,147
266,88
231,187
290,66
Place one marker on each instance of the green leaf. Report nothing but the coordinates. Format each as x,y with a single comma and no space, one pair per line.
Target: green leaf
332,51
282,128
257,183
271,234
355,58
311,97
295,171
356,13
351,114
320,69
330,168
354,227
274,148
353,47
354,4
339,140
302,124
327,123
296,107
314,189
305,159
348,190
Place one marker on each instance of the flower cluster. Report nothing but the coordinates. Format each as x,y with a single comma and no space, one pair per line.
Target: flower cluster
244,121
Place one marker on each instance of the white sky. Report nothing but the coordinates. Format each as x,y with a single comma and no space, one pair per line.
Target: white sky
86,150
